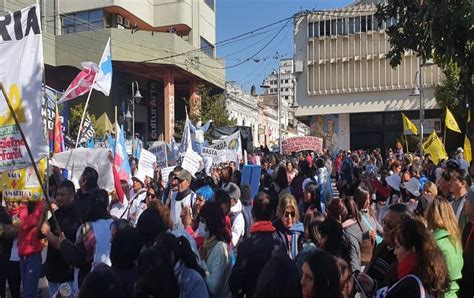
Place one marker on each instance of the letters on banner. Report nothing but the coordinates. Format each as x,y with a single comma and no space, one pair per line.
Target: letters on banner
192,162
21,50
146,163
298,144
17,183
161,154
434,146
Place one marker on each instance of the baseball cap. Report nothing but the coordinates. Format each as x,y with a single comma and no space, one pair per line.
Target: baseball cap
184,175
232,190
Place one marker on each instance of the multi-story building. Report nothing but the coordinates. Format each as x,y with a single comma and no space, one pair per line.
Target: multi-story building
347,91
164,48
242,107
267,123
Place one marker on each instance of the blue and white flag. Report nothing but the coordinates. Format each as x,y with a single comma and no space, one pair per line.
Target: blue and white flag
103,79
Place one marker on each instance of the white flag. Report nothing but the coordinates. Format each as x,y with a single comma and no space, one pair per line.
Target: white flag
103,80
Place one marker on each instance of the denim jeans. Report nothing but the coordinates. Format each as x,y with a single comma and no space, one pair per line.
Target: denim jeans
30,269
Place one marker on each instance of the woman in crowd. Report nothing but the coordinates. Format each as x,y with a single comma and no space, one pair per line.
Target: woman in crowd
279,185
311,221
290,169
102,282
429,193
442,221
215,251
346,213
333,240
189,276
288,226
304,172
419,261
320,276
371,230
311,199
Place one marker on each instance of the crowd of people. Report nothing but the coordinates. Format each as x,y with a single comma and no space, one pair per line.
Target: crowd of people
399,226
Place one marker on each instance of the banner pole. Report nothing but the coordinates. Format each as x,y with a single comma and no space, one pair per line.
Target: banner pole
28,149
444,137
79,133
406,141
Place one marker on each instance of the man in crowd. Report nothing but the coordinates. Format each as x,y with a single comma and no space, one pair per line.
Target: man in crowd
138,203
185,197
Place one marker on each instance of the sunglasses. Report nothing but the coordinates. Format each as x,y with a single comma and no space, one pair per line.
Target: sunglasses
288,214
151,195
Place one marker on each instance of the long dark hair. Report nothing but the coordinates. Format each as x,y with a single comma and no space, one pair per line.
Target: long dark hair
214,217
181,249
281,178
326,281
314,190
337,243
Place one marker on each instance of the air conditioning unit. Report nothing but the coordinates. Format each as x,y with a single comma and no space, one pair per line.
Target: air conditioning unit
126,23
119,19
298,66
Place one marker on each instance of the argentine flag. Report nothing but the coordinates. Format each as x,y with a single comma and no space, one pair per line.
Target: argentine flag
103,79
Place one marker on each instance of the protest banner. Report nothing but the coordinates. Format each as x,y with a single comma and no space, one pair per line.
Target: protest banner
78,159
145,163
17,183
21,77
88,131
161,153
165,173
191,162
298,144
434,146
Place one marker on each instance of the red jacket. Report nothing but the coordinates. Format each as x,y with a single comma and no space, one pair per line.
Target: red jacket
28,242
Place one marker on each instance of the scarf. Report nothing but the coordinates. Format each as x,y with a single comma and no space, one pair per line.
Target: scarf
207,246
181,195
406,266
262,226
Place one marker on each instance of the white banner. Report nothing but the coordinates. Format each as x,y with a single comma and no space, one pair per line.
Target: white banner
146,163
80,158
165,173
160,151
192,162
21,72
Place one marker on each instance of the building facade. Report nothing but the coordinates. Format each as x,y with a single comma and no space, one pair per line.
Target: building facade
242,107
347,91
164,48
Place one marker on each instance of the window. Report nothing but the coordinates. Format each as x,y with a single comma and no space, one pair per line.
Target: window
328,28
82,21
357,24
333,27
321,28
351,25
311,30
206,47
363,24
210,3
370,24
341,27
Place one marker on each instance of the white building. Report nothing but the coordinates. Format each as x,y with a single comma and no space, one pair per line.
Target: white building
242,107
347,91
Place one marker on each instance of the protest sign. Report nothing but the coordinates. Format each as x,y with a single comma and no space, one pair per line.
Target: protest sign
298,144
80,158
434,146
88,131
160,151
17,183
145,164
165,173
191,162
251,177
21,72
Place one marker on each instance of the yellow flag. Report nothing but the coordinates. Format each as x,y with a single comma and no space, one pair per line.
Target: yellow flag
434,146
408,125
467,149
450,122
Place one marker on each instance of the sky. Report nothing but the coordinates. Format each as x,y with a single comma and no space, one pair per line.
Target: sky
236,17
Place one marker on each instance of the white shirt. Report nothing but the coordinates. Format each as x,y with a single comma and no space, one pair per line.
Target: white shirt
138,205
118,208
176,208
238,224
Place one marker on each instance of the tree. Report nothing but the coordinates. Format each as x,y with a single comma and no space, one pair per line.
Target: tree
449,93
438,29
75,114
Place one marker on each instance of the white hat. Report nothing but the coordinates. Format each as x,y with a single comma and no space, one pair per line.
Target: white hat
140,176
413,186
394,181
460,150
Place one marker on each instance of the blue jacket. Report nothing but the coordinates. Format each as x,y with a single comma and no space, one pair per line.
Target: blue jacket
297,236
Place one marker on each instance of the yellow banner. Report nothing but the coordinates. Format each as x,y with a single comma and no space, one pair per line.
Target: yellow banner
467,149
434,146
15,184
408,125
451,121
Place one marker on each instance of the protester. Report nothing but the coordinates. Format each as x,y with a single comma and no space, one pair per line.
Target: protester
311,199
255,251
189,275
320,276
29,246
69,218
9,270
313,240
291,171
288,226
279,279
215,253
441,220
150,224
466,286
102,282
138,202
304,172
88,190
184,197
237,216
333,239
279,187
459,184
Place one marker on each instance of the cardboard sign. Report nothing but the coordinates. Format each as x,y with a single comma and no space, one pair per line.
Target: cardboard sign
146,163
165,172
24,181
191,162
251,177
298,144
161,154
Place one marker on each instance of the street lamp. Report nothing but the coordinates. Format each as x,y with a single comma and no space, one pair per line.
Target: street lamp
421,93
136,96
266,85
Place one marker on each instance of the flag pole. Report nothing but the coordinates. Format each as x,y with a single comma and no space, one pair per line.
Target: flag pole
445,126
79,133
406,141
28,149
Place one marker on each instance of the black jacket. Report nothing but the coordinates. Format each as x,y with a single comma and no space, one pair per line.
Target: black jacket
57,270
466,285
382,267
84,201
252,254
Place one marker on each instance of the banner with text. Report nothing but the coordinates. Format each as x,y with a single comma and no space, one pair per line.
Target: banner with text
161,153
298,144
434,146
232,142
21,73
146,163
15,184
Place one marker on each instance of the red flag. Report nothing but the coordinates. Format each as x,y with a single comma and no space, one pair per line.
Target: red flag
58,133
82,83
118,186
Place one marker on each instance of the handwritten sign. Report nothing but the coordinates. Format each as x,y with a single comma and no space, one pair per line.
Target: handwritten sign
145,164
24,181
298,144
161,153
165,173
191,162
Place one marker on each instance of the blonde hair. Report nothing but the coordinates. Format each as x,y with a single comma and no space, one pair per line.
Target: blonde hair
430,187
440,215
288,200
